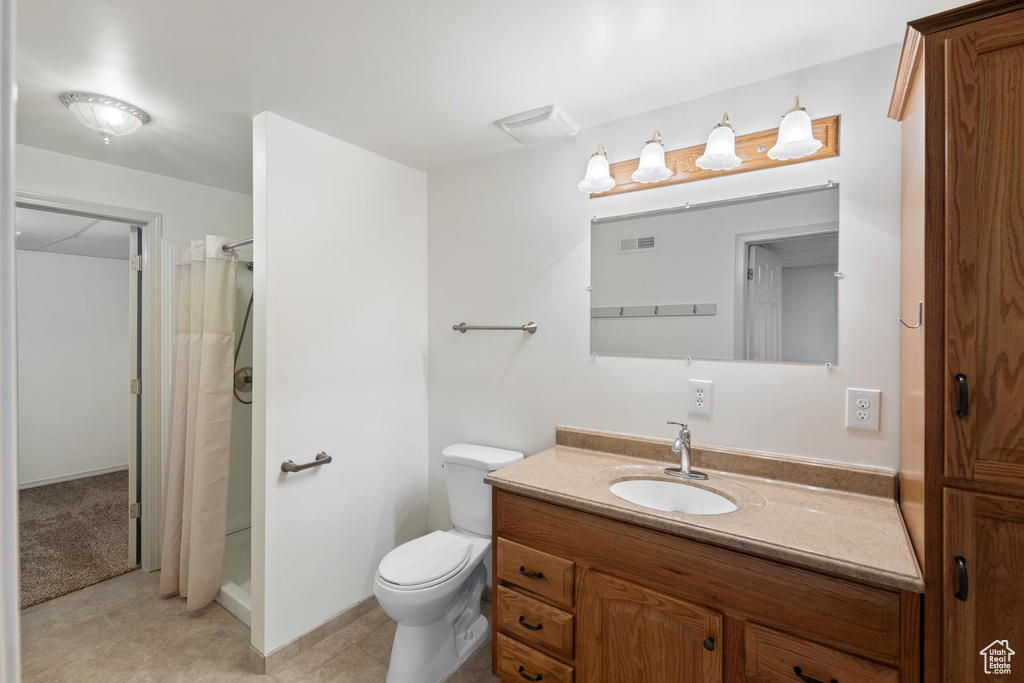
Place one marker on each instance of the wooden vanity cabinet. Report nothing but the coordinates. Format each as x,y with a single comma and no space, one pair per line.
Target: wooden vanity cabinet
626,628
579,597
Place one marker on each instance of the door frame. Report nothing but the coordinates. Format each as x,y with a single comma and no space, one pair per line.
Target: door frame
151,415
10,612
743,243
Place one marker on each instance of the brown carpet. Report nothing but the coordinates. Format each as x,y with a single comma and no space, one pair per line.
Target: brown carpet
73,534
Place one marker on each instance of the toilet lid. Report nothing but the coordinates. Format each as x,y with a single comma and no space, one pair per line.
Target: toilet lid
425,560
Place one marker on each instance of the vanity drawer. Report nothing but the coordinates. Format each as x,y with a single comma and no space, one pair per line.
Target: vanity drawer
774,657
538,572
535,623
516,662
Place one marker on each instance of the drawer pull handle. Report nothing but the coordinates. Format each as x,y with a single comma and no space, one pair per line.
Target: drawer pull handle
531,575
525,624
962,394
961,573
808,679
522,672
709,644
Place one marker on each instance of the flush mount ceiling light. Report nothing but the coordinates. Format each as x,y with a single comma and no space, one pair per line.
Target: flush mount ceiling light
796,138
652,162
720,152
598,178
108,116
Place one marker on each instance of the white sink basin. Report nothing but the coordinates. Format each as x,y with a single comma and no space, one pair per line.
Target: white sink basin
670,496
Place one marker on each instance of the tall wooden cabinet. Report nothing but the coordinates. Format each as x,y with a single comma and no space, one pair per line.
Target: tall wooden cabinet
960,97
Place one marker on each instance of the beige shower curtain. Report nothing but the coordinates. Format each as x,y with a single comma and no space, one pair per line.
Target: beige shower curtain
202,368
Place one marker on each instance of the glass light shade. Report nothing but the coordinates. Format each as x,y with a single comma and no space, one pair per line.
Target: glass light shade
598,178
652,162
796,138
720,152
107,116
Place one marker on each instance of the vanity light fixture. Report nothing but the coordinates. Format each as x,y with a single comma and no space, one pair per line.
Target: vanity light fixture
796,137
652,162
720,152
598,178
108,116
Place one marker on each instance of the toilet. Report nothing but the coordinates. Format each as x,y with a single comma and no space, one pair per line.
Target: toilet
432,585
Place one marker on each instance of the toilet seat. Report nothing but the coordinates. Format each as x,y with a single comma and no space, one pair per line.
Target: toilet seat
425,561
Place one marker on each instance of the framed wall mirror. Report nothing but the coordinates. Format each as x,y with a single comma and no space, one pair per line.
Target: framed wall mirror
750,279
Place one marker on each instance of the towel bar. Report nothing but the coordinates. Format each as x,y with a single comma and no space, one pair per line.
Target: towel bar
530,327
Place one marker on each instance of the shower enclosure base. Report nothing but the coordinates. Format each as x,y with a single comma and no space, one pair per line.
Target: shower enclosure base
235,584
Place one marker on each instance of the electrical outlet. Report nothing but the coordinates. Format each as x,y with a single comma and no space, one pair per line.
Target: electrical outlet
701,391
862,407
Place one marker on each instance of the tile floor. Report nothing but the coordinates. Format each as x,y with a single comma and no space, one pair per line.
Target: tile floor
121,631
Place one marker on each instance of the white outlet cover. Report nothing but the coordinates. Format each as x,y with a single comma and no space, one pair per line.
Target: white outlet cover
701,392
862,408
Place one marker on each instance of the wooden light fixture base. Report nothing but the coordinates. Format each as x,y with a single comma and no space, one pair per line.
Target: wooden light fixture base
752,149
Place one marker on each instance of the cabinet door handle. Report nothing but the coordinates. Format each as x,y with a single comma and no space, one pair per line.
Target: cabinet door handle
961,579
526,624
522,672
965,399
531,575
807,679
709,644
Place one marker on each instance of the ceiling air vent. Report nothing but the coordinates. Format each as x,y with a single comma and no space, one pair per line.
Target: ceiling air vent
633,245
540,125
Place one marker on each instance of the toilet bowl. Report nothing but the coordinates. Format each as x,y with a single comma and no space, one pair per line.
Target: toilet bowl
432,585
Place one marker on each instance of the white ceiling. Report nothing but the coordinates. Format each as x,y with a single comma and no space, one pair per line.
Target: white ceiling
813,250
418,81
62,233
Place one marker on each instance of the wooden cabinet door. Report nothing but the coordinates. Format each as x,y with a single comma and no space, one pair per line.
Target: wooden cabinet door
985,250
984,534
631,633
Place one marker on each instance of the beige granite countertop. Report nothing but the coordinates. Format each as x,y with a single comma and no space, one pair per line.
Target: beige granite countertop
853,534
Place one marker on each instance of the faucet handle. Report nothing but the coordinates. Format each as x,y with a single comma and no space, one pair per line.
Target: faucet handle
684,431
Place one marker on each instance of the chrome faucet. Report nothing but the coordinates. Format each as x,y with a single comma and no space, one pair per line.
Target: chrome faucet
682,446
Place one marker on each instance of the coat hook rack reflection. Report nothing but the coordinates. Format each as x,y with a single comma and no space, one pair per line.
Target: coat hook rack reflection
530,327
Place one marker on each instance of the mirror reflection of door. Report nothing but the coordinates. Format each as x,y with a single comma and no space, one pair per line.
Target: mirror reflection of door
791,298
750,278
764,304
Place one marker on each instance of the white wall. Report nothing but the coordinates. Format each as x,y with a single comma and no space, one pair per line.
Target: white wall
340,349
694,262
509,242
808,313
188,209
72,366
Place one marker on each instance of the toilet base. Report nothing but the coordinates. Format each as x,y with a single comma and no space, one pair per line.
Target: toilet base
430,653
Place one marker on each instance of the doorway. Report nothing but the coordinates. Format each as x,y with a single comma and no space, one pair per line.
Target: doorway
78,334
78,240
790,296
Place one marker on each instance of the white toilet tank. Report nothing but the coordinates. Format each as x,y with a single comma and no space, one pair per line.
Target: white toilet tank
469,498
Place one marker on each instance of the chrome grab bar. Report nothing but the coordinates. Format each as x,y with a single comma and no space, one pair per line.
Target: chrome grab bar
321,459
530,327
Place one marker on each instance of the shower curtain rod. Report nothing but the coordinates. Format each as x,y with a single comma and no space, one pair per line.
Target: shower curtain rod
234,245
